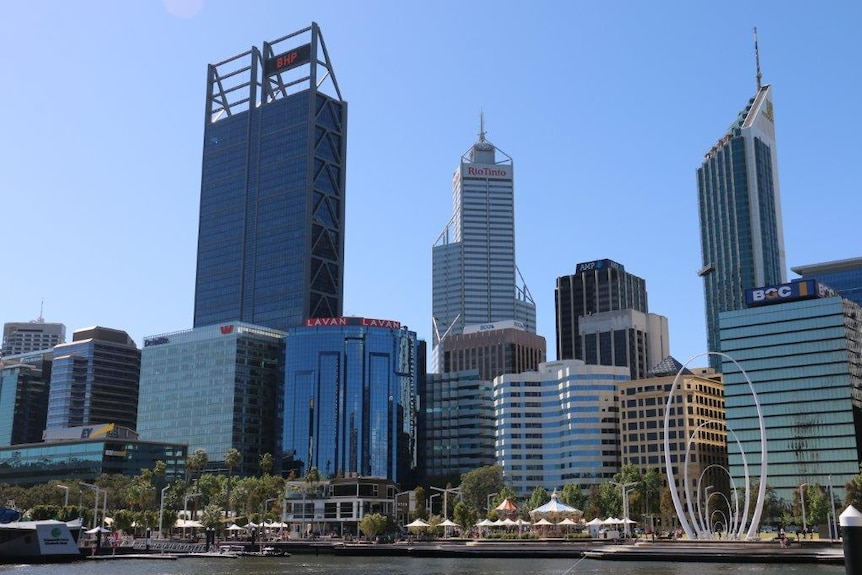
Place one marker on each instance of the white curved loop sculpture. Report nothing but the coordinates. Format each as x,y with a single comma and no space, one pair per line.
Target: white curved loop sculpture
683,517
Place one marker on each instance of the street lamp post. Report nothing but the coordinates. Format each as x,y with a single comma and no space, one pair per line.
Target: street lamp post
446,492
431,503
66,489
97,489
186,498
488,506
802,500
162,509
623,487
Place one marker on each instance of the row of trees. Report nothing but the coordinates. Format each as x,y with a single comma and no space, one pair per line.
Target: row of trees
136,500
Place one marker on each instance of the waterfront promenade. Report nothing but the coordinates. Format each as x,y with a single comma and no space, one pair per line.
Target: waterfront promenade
713,551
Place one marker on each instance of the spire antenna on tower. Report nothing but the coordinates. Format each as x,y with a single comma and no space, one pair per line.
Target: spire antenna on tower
481,125
757,60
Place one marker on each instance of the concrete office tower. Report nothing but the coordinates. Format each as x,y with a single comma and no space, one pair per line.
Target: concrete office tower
24,383
271,235
558,425
475,279
24,337
800,346
696,426
603,318
215,388
493,349
739,200
350,398
843,276
94,379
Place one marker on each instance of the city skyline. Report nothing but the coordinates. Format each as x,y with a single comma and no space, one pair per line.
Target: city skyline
607,175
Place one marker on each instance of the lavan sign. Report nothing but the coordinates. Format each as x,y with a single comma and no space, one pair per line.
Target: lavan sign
793,291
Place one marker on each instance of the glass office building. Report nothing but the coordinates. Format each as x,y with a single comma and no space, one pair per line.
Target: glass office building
24,385
85,460
474,276
595,287
843,276
739,202
271,232
802,350
94,379
215,388
350,399
457,423
558,425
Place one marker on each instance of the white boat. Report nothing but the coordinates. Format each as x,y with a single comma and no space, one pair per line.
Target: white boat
39,541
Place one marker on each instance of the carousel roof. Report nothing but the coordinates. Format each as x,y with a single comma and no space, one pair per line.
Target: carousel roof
554,506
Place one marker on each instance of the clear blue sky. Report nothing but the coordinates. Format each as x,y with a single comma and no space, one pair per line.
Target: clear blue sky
606,107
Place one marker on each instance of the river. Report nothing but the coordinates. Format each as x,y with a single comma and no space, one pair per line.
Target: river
333,565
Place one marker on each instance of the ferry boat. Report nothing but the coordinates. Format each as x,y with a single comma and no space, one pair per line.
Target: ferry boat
39,541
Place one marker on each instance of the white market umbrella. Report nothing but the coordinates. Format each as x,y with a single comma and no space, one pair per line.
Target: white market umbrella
595,522
234,527
542,521
417,523
449,523
485,523
568,521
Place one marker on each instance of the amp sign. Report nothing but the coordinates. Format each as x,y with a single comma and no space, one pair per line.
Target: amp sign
793,291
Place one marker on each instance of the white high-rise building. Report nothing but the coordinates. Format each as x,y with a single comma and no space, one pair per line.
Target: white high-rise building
474,275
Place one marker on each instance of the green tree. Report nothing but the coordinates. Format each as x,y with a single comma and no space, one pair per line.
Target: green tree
464,516
853,492
478,484
420,511
232,458
539,497
372,525
266,463
573,495
211,517
196,462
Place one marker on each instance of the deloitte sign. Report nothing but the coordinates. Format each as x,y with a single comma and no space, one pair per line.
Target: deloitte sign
793,291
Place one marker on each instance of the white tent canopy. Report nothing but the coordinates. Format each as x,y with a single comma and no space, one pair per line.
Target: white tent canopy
234,527
449,523
596,521
542,521
417,523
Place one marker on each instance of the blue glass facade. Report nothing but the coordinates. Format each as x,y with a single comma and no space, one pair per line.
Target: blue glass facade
804,359
742,242
271,235
215,388
36,464
24,384
350,400
844,276
94,379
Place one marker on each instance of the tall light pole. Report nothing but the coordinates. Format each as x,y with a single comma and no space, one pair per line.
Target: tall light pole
832,503
162,509
186,498
97,489
623,487
802,500
431,503
446,492
66,489
626,512
488,506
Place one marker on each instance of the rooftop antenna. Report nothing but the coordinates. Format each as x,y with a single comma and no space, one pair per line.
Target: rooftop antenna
481,125
41,319
757,60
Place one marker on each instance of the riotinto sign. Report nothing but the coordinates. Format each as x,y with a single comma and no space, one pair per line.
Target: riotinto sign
287,60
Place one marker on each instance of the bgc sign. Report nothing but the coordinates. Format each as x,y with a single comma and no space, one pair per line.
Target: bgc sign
793,291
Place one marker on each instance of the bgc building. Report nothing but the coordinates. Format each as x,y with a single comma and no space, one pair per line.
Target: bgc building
801,346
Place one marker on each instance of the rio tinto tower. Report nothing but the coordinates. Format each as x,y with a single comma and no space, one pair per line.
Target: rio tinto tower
475,279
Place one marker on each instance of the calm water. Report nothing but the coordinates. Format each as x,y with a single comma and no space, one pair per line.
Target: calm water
331,565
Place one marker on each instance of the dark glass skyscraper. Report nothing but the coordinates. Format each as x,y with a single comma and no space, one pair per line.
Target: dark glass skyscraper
271,235
596,287
742,242
844,276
